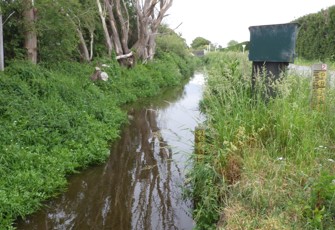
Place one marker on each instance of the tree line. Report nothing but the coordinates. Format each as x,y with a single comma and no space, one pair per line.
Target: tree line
52,30
316,37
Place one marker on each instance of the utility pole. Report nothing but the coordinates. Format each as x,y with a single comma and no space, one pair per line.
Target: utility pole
1,44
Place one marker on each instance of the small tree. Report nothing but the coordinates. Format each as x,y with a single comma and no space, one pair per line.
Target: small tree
232,43
200,42
170,42
149,15
57,33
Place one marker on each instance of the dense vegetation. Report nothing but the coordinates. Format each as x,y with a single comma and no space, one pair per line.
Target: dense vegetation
53,30
54,120
266,165
316,36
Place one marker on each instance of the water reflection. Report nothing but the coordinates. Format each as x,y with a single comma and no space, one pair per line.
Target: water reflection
140,187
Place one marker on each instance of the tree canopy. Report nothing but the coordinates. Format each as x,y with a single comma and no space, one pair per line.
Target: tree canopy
82,29
169,41
316,35
200,42
232,43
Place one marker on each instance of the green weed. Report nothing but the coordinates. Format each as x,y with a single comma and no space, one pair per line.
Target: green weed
55,121
320,211
263,157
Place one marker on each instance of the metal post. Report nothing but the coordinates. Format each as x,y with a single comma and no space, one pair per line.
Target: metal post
1,46
243,47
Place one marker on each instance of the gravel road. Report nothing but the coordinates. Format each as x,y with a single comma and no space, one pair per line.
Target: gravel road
306,71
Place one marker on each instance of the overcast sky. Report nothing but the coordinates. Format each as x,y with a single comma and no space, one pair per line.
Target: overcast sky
221,21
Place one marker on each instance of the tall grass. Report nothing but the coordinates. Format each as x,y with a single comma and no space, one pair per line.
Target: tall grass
269,165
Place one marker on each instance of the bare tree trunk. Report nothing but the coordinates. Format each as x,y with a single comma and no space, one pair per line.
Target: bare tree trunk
143,13
148,23
30,37
115,32
141,48
124,24
85,54
83,47
102,14
91,44
151,46
119,25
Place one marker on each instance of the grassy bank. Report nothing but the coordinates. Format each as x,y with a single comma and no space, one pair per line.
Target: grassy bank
267,166
55,121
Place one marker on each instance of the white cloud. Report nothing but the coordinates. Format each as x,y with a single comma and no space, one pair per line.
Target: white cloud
221,21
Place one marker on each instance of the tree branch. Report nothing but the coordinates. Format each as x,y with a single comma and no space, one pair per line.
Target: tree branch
124,56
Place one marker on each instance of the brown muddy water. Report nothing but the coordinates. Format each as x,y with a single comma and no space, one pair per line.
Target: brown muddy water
141,185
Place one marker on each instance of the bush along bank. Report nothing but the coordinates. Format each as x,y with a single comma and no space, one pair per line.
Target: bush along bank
54,121
266,165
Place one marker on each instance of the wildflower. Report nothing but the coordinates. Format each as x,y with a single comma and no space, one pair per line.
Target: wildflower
321,147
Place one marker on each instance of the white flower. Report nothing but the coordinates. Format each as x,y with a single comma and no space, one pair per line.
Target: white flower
321,147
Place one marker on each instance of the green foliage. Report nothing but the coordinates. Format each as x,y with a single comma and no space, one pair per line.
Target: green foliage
262,160
205,192
57,36
185,65
200,43
315,38
12,29
171,48
54,121
232,43
60,24
170,42
52,124
321,209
